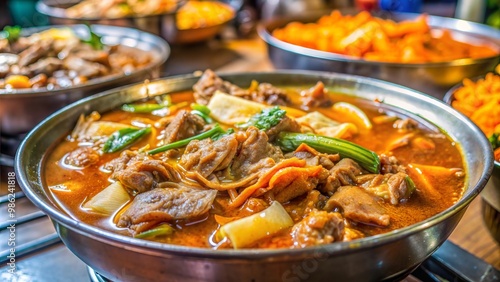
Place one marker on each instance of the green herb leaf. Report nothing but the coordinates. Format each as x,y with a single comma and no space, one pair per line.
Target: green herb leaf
160,230
12,33
266,119
94,40
494,141
123,138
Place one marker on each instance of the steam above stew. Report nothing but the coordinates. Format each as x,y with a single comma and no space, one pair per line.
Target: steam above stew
260,167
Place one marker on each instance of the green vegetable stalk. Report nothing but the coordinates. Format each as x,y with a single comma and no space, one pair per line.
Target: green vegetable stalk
123,138
94,40
182,143
266,119
410,184
142,108
367,159
160,230
201,110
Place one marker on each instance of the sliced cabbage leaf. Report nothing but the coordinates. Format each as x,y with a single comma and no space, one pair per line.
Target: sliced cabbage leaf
230,110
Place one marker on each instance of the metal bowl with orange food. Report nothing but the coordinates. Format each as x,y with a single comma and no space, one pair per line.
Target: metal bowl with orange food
477,99
368,45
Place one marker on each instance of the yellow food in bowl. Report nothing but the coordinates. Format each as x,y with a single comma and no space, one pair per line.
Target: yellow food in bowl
199,14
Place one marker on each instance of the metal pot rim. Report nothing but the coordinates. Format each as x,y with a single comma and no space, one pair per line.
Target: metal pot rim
158,59
263,30
159,249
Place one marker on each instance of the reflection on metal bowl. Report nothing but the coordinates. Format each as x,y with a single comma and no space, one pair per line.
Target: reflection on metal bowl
388,256
21,110
431,78
164,25
490,197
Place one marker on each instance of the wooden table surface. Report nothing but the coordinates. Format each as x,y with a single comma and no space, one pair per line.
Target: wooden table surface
471,233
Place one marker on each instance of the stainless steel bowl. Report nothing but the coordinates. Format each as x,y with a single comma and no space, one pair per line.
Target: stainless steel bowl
22,109
388,256
163,25
490,196
431,78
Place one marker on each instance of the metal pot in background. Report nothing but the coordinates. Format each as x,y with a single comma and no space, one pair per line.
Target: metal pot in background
22,109
431,78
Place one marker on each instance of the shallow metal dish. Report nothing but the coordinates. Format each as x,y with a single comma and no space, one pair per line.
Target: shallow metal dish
389,256
431,78
22,109
163,25
490,197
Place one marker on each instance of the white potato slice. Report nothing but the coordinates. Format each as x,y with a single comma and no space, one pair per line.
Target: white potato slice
109,200
317,120
230,110
103,128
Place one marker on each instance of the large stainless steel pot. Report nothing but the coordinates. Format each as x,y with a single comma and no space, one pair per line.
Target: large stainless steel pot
389,256
163,25
431,78
22,109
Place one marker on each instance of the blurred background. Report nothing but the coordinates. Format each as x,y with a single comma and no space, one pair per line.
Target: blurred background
24,14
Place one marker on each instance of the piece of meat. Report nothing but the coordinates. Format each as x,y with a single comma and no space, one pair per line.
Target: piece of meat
210,82
82,157
268,94
141,176
313,157
182,126
405,124
390,187
84,68
318,228
34,52
343,173
285,124
165,205
96,56
316,96
138,172
207,156
390,164
291,182
46,66
255,153
358,205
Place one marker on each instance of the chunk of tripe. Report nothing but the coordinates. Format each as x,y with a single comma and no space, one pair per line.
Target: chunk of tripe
248,230
230,110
